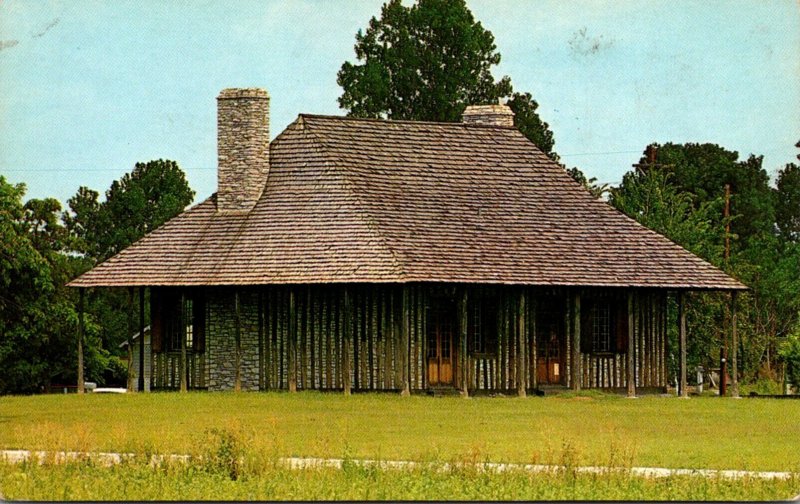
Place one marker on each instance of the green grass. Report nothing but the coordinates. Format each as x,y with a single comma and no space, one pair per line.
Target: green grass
221,428
714,433
137,481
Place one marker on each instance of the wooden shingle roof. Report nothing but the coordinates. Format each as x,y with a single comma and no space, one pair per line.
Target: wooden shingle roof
359,200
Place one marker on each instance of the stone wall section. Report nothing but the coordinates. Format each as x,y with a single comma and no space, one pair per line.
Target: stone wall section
221,339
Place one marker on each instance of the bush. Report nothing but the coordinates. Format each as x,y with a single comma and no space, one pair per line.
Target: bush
789,352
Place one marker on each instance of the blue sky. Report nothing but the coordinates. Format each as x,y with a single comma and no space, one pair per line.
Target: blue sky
88,88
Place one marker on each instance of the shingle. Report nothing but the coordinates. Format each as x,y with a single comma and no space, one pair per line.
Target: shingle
358,200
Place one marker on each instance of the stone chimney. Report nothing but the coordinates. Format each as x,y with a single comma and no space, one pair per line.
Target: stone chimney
242,147
489,115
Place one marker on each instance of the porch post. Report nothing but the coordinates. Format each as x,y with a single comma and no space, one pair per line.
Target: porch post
141,337
406,350
292,342
631,348
80,341
182,333
682,387
462,340
261,371
346,345
533,356
576,342
734,348
521,345
131,325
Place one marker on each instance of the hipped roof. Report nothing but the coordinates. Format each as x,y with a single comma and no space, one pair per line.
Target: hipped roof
360,200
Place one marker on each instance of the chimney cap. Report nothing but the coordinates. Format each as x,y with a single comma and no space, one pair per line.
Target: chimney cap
494,115
235,93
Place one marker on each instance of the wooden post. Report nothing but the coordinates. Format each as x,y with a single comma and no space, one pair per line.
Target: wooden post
462,344
261,370
631,378
682,388
80,341
734,349
141,337
521,347
576,341
182,335
131,328
292,336
533,363
346,344
404,333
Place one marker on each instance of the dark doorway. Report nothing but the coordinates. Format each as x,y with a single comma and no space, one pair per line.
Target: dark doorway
550,341
441,341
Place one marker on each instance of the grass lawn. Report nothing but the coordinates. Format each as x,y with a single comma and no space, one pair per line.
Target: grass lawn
709,432
592,429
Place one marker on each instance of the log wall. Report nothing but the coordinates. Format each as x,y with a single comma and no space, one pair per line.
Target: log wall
303,328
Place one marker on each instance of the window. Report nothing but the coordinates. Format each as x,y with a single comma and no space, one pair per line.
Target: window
601,327
482,326
170,324
604,324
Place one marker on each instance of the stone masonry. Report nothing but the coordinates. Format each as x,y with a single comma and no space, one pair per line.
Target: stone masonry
221,343
242,147
493,115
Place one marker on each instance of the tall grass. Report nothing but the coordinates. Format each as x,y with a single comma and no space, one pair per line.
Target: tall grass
714,433
225,467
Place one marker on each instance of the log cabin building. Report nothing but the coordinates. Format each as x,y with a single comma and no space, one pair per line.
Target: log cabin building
361,254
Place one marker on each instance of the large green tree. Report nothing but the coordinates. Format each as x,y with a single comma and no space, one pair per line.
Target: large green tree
787,201
139,202
427,62
38,316
703,170
679,191
142,200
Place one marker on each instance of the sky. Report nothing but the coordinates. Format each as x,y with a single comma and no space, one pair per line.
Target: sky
89,88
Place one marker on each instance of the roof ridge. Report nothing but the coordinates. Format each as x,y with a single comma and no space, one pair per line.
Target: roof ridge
317,143
405,121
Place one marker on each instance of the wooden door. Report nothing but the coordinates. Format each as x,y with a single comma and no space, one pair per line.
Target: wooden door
550,343
441,342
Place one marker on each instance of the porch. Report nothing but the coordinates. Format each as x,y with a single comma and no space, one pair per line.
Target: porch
411,338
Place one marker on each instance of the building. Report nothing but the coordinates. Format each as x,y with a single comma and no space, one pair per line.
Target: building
359,254
134,365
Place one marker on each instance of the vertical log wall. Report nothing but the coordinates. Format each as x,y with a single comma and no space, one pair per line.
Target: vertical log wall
303,342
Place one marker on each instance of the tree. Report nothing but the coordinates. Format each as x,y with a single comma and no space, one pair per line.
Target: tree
427,62
787,201
38,318
138,203
703,170
530,124
423,62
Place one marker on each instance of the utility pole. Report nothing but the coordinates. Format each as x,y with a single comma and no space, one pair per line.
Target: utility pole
723,354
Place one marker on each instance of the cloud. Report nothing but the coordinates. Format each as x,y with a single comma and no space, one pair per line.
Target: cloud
47,28
5,44
585,45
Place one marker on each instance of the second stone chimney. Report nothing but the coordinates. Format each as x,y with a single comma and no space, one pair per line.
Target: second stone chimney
490,115
242,147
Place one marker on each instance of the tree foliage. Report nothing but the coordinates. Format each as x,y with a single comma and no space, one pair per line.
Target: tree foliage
787,202
42,248
138,203
680,193
427,62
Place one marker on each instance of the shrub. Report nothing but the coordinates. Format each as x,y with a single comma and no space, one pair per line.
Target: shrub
790,354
